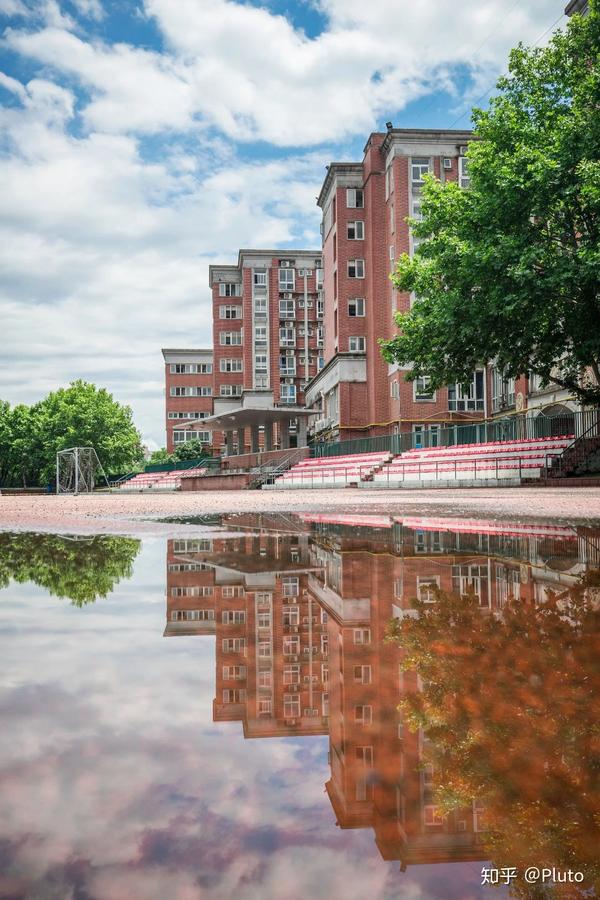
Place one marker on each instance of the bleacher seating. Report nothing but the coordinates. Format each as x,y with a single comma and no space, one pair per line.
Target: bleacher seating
145,481
329,471
497,460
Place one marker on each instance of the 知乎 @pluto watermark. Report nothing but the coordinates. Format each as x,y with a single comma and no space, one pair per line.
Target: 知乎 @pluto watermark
532,875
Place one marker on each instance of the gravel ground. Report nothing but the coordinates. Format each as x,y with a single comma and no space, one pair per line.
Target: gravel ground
133,513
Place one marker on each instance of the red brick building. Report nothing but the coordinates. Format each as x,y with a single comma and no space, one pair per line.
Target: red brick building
365,207
188,395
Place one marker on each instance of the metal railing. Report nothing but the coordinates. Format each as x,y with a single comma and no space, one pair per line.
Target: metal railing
510,428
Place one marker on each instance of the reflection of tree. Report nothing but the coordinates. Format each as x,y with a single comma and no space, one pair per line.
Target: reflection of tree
511,705
80,569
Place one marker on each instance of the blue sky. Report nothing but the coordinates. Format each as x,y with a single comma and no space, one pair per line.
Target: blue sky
143,140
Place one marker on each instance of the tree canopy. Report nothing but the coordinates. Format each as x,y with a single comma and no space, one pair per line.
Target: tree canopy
511,706
78,568
510,270
80,415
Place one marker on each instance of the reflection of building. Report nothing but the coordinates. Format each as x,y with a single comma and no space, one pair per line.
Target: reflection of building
300,607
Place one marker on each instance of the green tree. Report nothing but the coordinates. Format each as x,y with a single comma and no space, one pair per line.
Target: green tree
160,456
511,706
80,569
80,415
190,450
511,267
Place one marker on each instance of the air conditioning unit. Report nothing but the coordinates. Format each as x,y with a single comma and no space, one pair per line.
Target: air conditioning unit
285,263
307,678
306,650
288,295
290,721
447,162
294,629
463,150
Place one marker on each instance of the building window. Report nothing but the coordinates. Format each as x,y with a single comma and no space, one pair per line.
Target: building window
260,363
394,390
319,278
287,308
287,279
392,219
356,230
231,695
264,649
362,674
356,307
463,172
260,307
230,290
190,368
230,312
432,816
190,391
288,393
287,365
187,415
363,715
180,437
355,198
231,365
261,382
426,588
260,334
291,615
264,707
356,268
467,398
389,181
356,344
420,166
422,388
291,645
234,645
287,337
259,279
291,706
230,338
231,390
362,635
233,617
503,390
291,674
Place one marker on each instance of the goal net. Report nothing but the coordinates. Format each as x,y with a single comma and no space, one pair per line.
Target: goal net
77,470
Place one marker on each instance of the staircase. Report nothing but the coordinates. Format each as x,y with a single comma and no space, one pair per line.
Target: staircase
582,457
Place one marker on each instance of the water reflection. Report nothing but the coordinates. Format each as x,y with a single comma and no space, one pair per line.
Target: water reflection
472,730
81,569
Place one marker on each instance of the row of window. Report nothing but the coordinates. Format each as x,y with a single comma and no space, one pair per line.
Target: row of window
180,437
191,368
187,415
190,390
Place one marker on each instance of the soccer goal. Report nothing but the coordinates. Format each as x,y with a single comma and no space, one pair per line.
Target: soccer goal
77,469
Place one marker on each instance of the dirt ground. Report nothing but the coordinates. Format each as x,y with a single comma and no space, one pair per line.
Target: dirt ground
136,513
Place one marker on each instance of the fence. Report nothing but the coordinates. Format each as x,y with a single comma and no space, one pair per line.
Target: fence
511,428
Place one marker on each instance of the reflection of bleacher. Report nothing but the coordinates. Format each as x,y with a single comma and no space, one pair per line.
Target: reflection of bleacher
329,471
498,460
168,481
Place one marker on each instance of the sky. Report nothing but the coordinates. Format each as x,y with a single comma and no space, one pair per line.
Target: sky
143,140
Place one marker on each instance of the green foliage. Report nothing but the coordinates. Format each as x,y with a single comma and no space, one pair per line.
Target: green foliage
160,456
80,415
190,450
78,568
511,267
511,706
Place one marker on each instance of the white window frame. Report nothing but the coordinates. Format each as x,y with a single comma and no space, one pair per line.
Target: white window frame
357,343
422,392
355,198
356,268
230,312
230,338
357,227
356,308
229,365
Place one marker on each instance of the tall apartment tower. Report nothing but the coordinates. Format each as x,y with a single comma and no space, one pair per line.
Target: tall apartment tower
365,208
267,325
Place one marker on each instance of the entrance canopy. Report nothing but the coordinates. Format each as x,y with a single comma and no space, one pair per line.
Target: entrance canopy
254,410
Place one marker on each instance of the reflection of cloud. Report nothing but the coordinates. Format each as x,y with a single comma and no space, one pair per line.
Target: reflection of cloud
115,783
